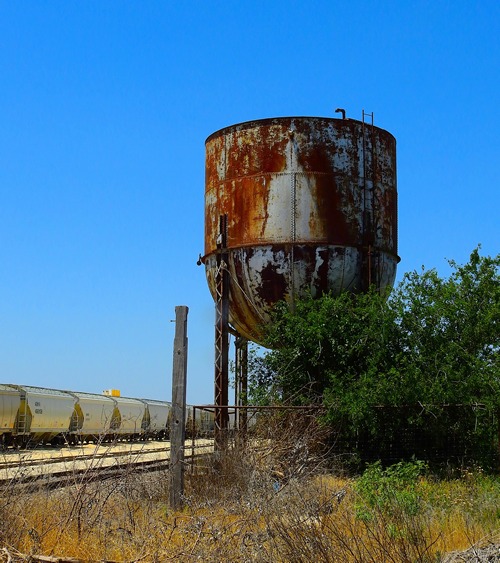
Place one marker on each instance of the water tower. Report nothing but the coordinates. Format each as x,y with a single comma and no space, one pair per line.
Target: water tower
297,205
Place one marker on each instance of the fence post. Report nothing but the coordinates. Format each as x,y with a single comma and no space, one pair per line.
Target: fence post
178,418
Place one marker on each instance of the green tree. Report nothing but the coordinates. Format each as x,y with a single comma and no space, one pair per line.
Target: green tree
432,342
451,331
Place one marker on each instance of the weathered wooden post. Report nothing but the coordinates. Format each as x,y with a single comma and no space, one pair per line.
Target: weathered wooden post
241,383
178,415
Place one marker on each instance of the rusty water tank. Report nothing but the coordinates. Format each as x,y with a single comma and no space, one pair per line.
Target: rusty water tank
311,205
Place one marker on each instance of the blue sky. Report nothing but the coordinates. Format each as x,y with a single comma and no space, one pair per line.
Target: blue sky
105,108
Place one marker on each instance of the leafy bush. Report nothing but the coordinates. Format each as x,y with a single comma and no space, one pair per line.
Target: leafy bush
391,490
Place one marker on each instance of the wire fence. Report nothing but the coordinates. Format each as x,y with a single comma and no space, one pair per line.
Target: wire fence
442,435
451,435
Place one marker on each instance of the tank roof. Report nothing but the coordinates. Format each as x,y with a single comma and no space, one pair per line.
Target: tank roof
275,120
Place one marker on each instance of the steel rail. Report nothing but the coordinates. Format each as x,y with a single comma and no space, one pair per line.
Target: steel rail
74,475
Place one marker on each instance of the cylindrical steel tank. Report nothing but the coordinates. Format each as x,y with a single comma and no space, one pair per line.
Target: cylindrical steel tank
311,206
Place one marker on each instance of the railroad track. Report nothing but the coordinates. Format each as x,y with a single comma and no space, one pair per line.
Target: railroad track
39,468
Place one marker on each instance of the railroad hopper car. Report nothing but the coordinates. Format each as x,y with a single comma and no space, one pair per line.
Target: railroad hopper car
41,415
9,408
35,414
204,422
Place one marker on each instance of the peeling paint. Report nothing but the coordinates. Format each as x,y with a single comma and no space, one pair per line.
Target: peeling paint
308,211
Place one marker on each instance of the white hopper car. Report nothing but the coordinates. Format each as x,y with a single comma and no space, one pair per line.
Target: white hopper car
38,415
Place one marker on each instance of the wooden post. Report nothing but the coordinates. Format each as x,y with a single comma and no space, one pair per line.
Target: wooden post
178,415
241,386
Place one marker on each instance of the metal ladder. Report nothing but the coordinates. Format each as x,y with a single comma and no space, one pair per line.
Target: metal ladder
73,425
22,416
370,275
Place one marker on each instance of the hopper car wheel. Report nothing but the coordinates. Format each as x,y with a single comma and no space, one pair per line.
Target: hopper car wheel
6,441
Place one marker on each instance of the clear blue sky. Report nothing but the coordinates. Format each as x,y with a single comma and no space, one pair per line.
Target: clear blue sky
104,110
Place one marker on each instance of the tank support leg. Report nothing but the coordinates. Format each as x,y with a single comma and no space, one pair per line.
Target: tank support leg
222,339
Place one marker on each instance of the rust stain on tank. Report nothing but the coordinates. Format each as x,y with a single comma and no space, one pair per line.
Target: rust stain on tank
307,199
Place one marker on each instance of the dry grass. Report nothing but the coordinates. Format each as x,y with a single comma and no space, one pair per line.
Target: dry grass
282,502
